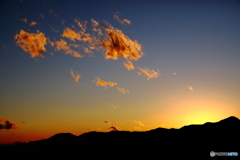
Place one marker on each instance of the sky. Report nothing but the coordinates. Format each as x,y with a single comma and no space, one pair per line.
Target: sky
70,66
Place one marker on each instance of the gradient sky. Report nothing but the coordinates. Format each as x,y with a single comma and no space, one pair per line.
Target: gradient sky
193,47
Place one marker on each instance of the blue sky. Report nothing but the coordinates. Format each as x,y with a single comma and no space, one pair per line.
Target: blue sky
197,40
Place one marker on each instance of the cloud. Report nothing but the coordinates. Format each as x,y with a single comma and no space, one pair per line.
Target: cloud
119,45
7,125
62,45
41,15
94,23
32,23
34,43
137,128
139,122
71,34
124,91
76,77
107,122
129,65
82,25
24,20
174,73
149,73
124,21
100,82
113,128
114,106
190,88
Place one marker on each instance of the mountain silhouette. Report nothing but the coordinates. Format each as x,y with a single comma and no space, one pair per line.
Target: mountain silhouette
192,140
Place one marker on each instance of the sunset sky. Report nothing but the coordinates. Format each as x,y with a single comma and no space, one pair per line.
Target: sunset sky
79,66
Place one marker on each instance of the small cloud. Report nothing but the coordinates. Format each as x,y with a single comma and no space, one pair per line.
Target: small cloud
190,88
107,122
32,23
24,20
113,129
34,43
139,122
149,73
62,45
7,124
71,34
123,90
94,23
75,77
124,21
41,15
137,128
63,21
100,82
129,65
174,73
114,106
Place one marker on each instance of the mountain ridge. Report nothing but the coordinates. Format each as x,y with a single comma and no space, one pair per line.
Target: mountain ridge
218,136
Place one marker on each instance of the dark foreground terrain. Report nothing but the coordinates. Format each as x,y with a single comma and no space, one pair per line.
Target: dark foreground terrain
189,141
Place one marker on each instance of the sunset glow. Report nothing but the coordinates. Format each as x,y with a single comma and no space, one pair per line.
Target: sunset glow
79,66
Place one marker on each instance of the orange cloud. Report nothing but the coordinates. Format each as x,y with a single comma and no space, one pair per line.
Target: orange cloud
94,23
129,65
71,34
113,128
24,20
100,82
124,21
62,45
190,88
114,107
174,73
82,25
141,124
124,91
76,77
32,23
119,45
149,73
34,43
7,125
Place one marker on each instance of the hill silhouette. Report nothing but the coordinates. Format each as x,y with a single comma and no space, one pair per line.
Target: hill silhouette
191,140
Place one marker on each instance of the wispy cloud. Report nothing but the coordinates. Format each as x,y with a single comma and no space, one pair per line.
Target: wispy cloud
75,77
124,21
62,45
117,44
149,73
190,88
24,20
174,73
114,106
71,34
41,15
100,82
129,65
123,90
113,128
33,43
141,124
32,23
7,124
94,23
